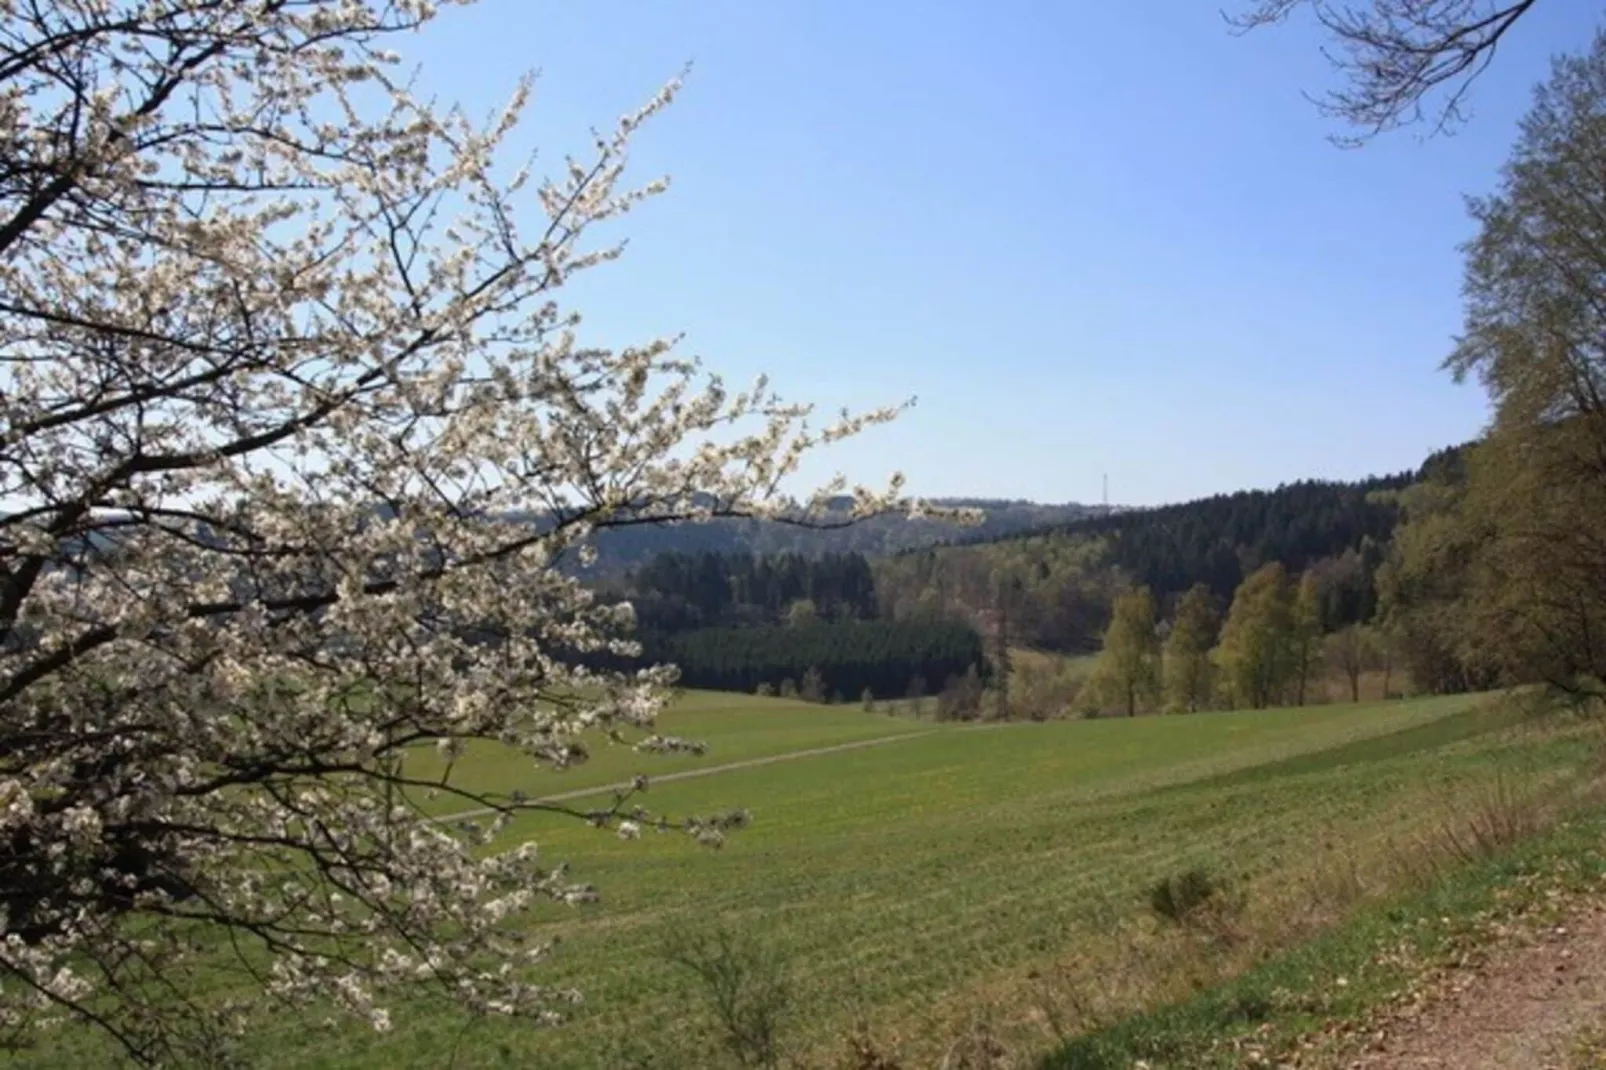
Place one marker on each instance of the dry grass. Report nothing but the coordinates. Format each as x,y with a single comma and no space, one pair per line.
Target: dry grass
1148,961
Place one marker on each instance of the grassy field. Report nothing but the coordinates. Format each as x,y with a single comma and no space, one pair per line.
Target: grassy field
915,886
735,728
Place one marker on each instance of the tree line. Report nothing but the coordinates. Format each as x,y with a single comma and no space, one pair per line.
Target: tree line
791,624
825,660
1270,648
1070,590
1059,586
677,592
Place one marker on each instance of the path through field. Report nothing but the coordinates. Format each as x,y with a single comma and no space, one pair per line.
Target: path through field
1524,1009
727,767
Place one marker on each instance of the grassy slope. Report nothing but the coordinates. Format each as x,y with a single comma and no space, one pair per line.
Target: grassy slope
1315,995
734,727
899,880
905,882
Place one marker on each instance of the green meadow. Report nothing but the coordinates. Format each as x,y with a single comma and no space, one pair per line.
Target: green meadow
908,884
733,728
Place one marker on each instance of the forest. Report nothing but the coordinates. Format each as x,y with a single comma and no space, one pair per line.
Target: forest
1246,599
827,661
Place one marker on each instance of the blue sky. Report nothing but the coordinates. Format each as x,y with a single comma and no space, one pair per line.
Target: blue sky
1091,237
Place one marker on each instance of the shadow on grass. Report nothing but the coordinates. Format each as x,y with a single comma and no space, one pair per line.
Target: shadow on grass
1480,719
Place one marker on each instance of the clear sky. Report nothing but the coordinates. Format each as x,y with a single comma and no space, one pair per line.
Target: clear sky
1091,237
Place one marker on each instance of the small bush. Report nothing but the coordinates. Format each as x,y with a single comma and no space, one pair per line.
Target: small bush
1477,823
1180,897
748,985
961,696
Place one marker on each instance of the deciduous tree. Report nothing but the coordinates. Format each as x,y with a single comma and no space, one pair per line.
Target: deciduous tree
1535,336
1306,636
1127,675
1404,61
812,689
1189,674
294,433
1255,654
1351,651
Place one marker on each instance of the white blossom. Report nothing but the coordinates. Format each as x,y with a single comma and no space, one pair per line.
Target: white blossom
297,443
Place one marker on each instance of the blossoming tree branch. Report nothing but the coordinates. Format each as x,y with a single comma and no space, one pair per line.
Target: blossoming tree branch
295,436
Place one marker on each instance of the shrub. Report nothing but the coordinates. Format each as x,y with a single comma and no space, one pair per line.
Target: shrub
1178,898
747,984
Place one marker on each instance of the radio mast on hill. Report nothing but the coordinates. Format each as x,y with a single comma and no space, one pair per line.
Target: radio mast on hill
1106,492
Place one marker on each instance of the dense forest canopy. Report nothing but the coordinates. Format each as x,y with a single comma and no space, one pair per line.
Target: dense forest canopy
743,620
676,592
1058,586
834,660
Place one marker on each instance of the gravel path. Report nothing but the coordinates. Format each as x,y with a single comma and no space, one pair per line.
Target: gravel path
1524,1009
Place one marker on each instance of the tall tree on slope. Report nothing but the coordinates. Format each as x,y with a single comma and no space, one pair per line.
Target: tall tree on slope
1255,654
1127,675
1189,674
1535,336
1306,635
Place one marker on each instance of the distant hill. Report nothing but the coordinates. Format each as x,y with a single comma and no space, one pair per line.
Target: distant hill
625,548
1219,540
1293,523
1066,574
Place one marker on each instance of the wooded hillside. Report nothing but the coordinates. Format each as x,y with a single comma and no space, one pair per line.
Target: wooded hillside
1057,587
845,623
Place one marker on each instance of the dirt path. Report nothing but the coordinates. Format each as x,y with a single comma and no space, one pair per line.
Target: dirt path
1524,1009
728,767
